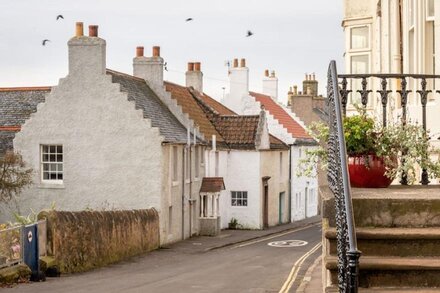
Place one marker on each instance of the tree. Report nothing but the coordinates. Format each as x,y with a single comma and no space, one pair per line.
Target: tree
14,176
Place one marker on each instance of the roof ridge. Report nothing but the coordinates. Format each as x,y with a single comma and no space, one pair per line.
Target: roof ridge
124,74
26,88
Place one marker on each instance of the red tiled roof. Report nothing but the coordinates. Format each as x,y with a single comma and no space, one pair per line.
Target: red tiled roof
190,106
238,131
10,128
293,127
17,89
216,105
212,184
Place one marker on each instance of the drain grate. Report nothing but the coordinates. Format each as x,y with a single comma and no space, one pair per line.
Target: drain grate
288,243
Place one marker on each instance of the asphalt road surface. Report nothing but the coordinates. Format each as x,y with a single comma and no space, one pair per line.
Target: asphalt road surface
252,266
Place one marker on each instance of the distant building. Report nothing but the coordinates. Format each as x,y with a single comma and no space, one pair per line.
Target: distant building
307,104
284,124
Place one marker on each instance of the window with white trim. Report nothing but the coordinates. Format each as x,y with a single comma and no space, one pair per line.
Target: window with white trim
52,163
239,198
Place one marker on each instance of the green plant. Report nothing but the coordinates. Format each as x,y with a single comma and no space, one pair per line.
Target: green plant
406,144
233,223
14,176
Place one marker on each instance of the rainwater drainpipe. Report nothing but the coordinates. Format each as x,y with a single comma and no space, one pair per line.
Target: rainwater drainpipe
290,183
183,193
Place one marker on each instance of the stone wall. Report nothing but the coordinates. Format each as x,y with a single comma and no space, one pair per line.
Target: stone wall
80,241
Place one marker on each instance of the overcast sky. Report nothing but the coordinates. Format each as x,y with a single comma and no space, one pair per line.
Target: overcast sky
291,37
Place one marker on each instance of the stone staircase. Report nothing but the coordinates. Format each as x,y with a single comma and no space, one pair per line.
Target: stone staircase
398,233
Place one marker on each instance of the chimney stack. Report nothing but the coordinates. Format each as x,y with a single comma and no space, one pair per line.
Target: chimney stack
149,68
270,84
310,85
238,82
194,76
87,55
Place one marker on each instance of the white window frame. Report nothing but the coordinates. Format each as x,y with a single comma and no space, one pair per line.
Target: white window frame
175,164
239,197
50,162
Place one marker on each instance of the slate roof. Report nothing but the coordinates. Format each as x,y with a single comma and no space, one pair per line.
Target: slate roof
292,126
212,184
153,108
16,106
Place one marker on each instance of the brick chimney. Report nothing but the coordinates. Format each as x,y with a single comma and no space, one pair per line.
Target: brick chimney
238,79
270,84
87,54
149,68
194,76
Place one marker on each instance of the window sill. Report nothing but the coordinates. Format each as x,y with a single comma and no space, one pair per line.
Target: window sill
174,183
51,186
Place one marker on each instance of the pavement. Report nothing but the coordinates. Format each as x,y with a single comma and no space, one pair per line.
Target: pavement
312,281
231,237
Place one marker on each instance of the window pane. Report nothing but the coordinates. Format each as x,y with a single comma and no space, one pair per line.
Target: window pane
430,8
359,64
45,158
59,158
359,37
52,149
60,149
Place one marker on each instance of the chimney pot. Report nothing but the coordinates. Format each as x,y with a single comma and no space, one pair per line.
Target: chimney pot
243,62
93,31
313,75
197,66
235,65
139,51
272,73
310,77
266,72
190,66
156,51
79,29
295,89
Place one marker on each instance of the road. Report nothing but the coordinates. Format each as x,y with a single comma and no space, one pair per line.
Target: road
252,266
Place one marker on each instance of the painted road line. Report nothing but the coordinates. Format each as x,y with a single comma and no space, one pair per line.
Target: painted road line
274,236
295,269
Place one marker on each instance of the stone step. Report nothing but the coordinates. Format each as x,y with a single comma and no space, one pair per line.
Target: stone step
393,241
396,206
393,271
334,289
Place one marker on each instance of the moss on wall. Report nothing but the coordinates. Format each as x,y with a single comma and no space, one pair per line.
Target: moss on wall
80,241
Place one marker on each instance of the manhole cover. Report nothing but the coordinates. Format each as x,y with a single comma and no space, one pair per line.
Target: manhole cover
288,243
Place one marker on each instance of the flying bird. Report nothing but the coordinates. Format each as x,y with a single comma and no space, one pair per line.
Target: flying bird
60,16
44,42
165,66
188,19
249,33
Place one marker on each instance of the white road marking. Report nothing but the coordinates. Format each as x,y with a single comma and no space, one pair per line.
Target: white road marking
273,236
295,269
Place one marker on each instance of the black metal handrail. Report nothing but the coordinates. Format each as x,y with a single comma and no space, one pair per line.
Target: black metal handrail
338,179
384,93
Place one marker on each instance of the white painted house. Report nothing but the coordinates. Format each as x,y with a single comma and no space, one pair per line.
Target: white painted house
252,163
102,139
282,124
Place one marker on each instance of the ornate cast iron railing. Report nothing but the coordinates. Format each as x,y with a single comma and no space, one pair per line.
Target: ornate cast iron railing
338,179
384,93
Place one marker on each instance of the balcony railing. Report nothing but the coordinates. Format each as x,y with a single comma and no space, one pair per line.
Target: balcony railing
338,179
385,88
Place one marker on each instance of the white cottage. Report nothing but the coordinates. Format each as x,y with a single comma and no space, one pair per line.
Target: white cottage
101,139
282,123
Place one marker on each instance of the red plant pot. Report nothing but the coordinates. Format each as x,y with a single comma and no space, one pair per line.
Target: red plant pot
367,175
